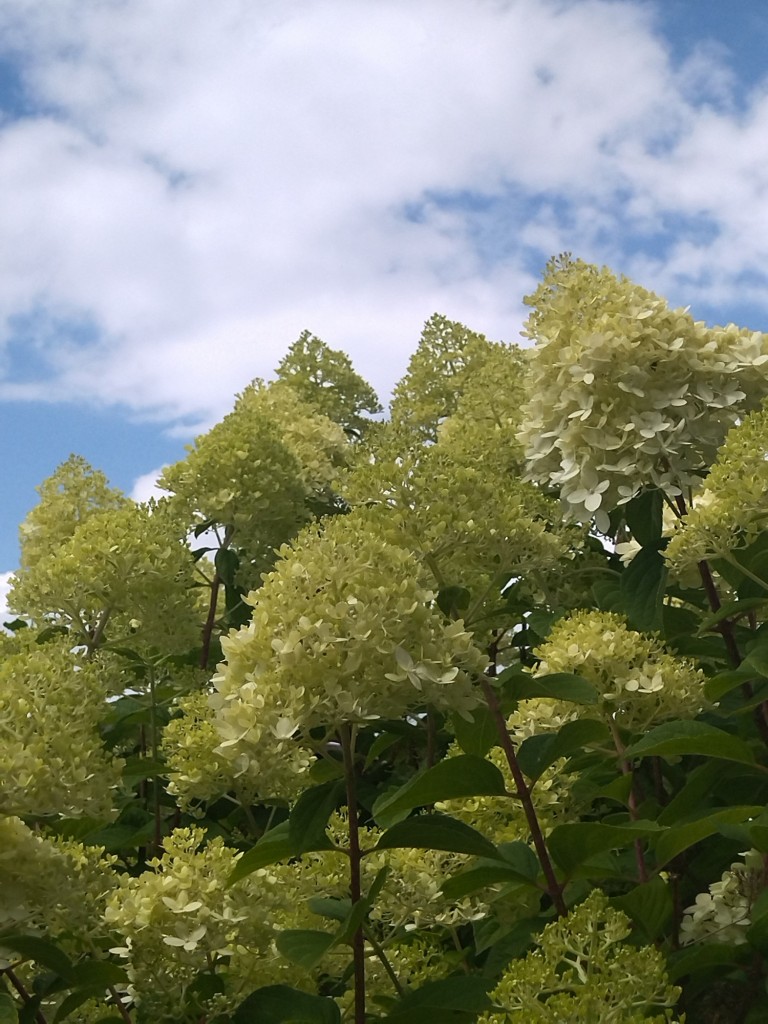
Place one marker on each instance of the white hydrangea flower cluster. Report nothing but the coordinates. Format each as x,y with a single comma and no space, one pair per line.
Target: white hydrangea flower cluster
723,913
53,887
342,632
52,759
181,918
732,509
639,682
625,392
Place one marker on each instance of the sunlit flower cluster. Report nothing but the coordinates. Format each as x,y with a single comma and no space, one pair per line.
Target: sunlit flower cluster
179,918
342,631
583,972
625,392
52,759
723,913
732,510
124,574
638,682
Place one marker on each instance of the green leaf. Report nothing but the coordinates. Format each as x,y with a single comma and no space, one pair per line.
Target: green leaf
446,1001
451,778
680,837
309,818
227,563
731,610
520,685
478,736
437,832
273,846
717,686
650,905
279,1004
383,742
452,601
537,753
572,844
139,768
673,739
330,906
519,864
704,957
642,590
756,660
644,514
8,1012
40,950
304,947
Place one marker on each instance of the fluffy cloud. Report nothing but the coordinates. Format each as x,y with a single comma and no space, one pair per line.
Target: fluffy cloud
193,184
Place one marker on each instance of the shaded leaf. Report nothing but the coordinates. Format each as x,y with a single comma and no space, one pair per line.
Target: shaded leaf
452,999
574,843
680,837
478,736
279,1004
303,946
642,590
677,738
537,753
309,818
559,685
437,832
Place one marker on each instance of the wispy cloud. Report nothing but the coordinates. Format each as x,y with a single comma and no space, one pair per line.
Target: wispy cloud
194,184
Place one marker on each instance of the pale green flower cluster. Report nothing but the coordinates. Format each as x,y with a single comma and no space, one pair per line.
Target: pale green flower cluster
253,472
53,887
123,575
732,510
198,772
447,354
324,378
625,392
342,632
52,759
723,914
68,497
181,918
639,682
583,972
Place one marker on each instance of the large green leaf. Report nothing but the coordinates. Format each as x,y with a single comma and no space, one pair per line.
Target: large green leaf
644,514
642,590
450,779
8,1012
452,999
650,905
478,736
704,957
304,947
680,837
519,685
673,739
518,864
41,951
437,832
537,753
309,817
572,844
279,1004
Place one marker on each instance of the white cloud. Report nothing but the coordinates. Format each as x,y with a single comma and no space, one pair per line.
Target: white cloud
207,180
145,486
5,614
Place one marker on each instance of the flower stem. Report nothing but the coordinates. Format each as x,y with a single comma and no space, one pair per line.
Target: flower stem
554,888
355,889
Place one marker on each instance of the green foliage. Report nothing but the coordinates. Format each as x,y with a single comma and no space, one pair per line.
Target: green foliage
459,716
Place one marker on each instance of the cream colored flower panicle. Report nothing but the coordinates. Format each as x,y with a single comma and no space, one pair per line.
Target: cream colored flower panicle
53,887
723,914
625,392
732,510
181,918
583,972
342,631
52,759
640,684
124,574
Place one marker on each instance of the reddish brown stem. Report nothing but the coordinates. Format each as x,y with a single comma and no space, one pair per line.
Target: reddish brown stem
554,888
26,998
355,887
626,768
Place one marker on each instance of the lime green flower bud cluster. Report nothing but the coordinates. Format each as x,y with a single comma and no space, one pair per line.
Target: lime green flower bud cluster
52,759
53,887
342,631
125,574
324,378
437,372
723,913
181,918
639,683
732,510
625,392
583,972
254,472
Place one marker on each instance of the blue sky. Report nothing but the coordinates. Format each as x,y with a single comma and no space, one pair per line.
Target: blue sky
187,186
